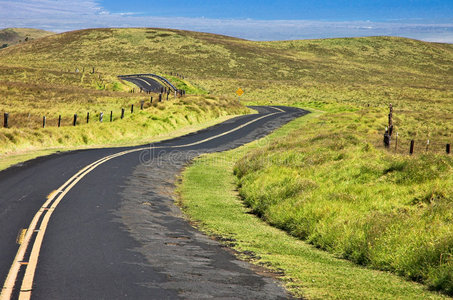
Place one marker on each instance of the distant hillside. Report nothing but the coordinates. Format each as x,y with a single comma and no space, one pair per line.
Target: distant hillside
368,71
370,60
12,36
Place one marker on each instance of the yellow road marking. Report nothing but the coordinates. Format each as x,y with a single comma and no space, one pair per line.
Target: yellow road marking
225,133
144,81
14,270
27,283
279,109
52,194
21,236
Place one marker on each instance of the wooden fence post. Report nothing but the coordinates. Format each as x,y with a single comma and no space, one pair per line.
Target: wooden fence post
448,149
74,123
111,116
411,150
5,120
59,120
390,119
44,122
396,142
386,138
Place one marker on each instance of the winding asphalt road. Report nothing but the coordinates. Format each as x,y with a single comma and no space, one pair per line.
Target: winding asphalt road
104,225
147,84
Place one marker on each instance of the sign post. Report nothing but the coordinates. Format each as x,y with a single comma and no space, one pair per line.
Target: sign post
239,92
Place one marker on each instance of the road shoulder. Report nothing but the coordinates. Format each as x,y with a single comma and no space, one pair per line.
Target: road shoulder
207,195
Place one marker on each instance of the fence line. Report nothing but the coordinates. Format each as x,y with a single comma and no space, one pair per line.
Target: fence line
409,146
414,146
75,121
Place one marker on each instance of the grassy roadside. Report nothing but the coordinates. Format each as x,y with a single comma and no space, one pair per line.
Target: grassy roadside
22,156
330,183
327,184
157,122
209,198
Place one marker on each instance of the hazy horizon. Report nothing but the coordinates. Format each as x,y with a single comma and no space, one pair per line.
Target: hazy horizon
252,20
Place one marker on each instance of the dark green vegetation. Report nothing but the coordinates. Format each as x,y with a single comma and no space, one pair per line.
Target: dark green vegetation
209,197
12,36
331,182
326,184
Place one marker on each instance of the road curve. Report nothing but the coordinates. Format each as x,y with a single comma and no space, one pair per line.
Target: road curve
146,84
106,226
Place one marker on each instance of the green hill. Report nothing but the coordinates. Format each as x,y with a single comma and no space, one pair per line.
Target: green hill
366,60
355,71
12,36
46,77
330,181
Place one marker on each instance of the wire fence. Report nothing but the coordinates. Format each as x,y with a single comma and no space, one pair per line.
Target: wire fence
22,120
409,146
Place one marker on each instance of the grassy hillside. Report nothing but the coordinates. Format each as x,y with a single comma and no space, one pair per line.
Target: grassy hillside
332,183
13,36
208,194
40,78
326,184
357,72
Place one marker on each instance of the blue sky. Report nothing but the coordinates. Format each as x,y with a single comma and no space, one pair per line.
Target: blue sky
255,20
325,10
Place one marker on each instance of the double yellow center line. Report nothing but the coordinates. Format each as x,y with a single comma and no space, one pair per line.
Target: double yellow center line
43,215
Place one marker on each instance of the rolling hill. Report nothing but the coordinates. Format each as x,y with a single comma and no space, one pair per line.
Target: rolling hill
363,60
37,83
371,71
13,36
330,181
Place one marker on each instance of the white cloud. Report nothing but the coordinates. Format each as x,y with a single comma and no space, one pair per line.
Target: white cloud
63,15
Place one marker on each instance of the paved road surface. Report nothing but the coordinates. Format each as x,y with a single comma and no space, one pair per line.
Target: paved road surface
147,84
113,232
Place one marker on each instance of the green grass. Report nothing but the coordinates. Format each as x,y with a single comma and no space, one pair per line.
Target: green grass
331,182
324,183
186,85
209,198
156,121
23,155
364,72
45,77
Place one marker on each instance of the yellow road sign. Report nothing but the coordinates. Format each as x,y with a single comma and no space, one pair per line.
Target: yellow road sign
239,92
